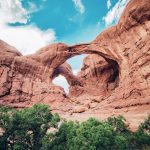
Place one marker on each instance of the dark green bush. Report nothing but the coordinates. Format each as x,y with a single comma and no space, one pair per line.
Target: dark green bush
112,134
28,129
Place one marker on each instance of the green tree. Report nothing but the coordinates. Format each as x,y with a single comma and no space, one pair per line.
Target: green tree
30,129
26,128
142,136
91,135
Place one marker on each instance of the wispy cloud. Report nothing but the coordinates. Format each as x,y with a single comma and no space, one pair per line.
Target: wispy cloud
26,38
32,8
79,6
114,14
108,4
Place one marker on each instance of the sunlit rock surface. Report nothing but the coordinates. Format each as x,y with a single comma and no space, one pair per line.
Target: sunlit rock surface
114,79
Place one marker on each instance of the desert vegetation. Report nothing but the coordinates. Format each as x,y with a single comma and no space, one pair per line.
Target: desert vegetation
36,128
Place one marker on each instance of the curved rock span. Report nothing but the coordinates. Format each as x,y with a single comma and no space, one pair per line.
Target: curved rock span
114,79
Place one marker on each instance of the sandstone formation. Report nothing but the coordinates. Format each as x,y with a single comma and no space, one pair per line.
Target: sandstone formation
114,79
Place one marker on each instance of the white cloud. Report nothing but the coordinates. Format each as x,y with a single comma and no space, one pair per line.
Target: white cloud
61,81
79,6
11,11
26,38
114,14
108,4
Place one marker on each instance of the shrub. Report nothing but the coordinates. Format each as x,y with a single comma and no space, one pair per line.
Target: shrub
25,129
28,129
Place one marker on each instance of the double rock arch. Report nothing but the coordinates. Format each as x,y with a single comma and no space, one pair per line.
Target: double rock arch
62,53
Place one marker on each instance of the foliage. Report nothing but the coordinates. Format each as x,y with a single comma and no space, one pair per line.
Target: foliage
112,134
142,136
24,129
30,129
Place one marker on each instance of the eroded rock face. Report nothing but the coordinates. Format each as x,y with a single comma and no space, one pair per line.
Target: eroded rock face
97,77
25,80
114,79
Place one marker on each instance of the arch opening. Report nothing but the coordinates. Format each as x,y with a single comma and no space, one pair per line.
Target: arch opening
76,63
62,77
96,73
62,82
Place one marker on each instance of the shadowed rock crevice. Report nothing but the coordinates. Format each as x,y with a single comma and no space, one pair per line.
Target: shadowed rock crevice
114,78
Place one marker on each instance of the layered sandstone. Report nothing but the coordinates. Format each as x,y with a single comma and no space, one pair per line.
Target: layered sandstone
114,79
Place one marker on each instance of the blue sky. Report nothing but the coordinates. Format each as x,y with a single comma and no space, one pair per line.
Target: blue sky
29,25
71,22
